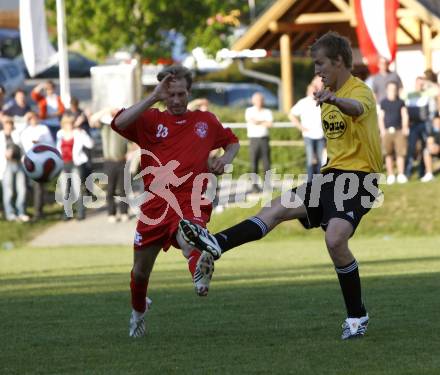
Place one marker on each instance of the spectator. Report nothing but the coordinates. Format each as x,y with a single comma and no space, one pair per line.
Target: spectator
306,116
432,150
33,134
80,117
394,128
82,122
380,79
201,104
2,98
432,89
50,106
18,106
418,103
13,175
114,149
259,120
72,142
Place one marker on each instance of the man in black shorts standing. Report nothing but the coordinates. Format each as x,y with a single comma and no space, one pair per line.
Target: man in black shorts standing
338,198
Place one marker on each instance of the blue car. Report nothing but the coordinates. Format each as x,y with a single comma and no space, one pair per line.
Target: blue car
79,66
232,94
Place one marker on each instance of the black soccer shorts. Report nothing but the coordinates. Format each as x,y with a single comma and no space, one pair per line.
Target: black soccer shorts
347,195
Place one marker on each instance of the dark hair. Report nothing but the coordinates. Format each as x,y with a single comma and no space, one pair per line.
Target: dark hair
2,89
20,90
430,75
392,83
178,71
74,100
50,83
334,45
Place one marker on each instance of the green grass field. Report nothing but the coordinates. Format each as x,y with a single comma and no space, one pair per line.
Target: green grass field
274,308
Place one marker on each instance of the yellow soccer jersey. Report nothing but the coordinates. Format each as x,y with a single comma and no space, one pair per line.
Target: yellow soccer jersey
353,143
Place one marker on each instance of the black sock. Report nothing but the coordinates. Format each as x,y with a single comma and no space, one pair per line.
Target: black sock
251,229
351,289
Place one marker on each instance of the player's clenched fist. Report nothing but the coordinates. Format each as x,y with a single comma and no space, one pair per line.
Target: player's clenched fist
325,96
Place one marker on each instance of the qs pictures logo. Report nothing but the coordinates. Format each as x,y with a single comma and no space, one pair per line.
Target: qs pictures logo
334,124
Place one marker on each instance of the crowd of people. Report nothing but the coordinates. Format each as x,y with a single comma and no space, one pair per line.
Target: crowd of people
44,119
409,123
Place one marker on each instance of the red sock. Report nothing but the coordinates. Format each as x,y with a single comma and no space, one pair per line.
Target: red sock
138,294
192,260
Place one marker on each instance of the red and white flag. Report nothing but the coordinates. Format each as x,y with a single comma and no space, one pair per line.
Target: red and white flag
376,29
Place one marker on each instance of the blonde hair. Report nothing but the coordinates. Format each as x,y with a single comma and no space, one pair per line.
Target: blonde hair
7,119
67,119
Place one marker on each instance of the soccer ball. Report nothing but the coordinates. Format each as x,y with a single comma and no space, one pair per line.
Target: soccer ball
42,163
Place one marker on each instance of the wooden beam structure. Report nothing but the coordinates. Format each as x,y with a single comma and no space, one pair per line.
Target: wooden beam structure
286,72
291,25
426,44
325,17
260,26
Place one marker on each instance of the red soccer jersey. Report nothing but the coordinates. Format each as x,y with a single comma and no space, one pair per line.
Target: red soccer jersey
180,142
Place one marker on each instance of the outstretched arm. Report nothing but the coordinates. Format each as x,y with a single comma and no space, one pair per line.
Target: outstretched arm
350,107
127,117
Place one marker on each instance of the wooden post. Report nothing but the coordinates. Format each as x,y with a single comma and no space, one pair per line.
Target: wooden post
286,72
426,45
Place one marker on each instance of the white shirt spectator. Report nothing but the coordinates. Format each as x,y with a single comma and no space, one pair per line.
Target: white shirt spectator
310,117
252,115
34,134
16,139
81,140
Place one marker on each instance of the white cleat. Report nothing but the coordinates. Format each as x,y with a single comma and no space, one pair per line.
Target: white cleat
136,326
354,327
200,238
203,274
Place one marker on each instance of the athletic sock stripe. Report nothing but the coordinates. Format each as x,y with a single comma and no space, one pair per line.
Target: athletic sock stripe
351,267
260,223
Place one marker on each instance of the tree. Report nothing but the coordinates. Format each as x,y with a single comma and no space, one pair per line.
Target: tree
144,25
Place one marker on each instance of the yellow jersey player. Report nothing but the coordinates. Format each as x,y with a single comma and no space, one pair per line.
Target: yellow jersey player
341,195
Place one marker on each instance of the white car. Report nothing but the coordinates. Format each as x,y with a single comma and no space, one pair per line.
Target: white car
11,76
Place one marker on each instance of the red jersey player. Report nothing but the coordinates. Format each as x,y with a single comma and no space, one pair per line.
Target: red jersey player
175,147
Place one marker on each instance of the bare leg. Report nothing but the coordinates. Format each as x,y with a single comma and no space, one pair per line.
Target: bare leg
389,165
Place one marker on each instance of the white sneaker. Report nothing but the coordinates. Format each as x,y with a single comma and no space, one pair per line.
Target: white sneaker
427,177
112,219
24,218
402,179
200,238
354,327
124,218
391,179
203,274
136,327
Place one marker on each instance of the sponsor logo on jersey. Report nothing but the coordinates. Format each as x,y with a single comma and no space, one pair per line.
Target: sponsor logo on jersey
180,122
334,125
201,129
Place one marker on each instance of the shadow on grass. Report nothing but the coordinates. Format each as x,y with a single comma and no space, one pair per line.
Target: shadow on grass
276,328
